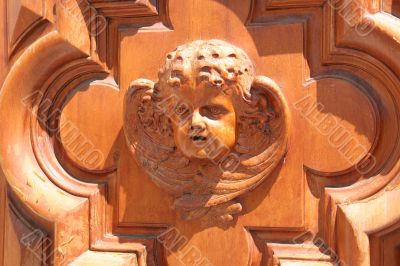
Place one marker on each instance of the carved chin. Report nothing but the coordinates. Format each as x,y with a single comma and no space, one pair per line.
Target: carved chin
200,154
192,150
203,149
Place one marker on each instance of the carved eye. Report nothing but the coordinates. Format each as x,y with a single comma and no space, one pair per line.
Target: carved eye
213,111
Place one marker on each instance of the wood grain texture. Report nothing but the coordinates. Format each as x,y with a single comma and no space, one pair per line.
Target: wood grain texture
3,73
333,198
93,258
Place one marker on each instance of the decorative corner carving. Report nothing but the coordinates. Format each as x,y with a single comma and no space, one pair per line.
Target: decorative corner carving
125,8
209,130
22,18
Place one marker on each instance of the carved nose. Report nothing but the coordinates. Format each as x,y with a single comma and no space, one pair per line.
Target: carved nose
197,123
198,127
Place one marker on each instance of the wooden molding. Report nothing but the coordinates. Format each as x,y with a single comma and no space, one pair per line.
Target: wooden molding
22,18
79,206
125,8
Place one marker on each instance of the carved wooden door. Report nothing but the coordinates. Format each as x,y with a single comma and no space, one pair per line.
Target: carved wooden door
213,132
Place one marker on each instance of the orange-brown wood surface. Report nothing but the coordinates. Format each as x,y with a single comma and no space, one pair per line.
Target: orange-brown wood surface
98,168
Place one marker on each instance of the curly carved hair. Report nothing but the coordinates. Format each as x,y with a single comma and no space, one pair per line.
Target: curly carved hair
216,62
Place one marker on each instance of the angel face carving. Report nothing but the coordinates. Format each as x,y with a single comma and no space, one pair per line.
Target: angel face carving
211,122
207,113
206,77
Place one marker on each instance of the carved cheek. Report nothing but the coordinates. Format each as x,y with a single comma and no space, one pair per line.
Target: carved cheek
183,141
224,129
229,130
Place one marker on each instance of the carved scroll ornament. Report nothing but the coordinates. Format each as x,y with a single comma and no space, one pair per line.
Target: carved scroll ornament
209,130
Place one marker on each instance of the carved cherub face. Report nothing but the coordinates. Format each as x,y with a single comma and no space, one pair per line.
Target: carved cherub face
210,81
207,106
211,122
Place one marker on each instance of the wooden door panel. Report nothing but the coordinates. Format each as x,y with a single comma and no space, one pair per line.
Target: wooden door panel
78,191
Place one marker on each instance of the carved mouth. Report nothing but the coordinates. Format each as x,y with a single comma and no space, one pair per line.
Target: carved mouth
199,138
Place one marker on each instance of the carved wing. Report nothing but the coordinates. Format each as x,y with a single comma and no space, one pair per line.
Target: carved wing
149,135
200,188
